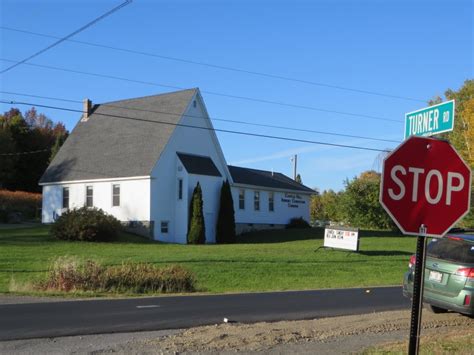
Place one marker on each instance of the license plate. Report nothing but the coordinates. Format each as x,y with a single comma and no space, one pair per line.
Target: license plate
435,276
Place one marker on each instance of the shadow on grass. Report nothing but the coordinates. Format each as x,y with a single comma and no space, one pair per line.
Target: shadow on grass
291,235
384,253
134,239
280,235
26,239
364,233
22,271
41,234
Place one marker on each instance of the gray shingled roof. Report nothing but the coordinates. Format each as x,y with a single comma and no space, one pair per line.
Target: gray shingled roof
199,165
111,147
265,178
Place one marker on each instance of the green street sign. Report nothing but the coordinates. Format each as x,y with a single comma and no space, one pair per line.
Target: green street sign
430,120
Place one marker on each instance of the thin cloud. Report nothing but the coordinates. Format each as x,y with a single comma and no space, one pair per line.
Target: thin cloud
278,155
289,152
344,163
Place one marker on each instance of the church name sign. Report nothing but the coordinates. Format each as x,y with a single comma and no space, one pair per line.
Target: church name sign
293,200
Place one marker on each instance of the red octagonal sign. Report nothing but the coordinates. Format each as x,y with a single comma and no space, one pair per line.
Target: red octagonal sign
426,186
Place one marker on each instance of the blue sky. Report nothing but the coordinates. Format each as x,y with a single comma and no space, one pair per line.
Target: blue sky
415,49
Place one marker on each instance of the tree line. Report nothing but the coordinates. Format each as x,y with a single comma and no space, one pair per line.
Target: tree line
357,205
29,132
462,137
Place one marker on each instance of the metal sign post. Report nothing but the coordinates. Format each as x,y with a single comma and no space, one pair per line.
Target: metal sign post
417,303
426,189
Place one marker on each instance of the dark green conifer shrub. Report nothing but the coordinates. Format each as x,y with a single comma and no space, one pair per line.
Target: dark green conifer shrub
225,228
197,229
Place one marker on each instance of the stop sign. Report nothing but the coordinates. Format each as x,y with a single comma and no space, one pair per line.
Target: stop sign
425,183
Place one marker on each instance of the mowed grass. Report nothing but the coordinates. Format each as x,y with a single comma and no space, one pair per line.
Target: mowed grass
261,261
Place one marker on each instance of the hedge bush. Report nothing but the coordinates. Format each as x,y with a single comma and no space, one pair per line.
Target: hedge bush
25,203
86,224
297,223
69,274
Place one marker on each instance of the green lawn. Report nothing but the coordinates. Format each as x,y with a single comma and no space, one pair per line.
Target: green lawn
271,260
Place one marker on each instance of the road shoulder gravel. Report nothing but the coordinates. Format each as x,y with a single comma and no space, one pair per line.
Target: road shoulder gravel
346,334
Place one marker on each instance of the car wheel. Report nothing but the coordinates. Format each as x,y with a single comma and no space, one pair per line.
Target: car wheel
436,310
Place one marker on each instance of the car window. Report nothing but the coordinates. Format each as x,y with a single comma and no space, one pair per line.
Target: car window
452,250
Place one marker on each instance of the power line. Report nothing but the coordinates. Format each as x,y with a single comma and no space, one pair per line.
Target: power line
25,153
221,67
40,96
247,98
65,38
306,130
213,118
202,128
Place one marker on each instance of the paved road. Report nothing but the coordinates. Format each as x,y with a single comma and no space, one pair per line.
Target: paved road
35,320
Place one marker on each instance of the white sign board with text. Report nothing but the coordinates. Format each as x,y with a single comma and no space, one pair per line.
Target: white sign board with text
341,238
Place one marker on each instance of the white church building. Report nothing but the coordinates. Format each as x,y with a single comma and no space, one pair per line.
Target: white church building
140,160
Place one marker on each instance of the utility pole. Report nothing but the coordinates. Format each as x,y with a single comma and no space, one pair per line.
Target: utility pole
294,159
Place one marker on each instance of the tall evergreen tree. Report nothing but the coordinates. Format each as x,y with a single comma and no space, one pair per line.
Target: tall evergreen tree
225,228
7,162
59,141
197,229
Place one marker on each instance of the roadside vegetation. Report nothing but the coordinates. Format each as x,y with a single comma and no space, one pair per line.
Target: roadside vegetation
260,261
71,274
